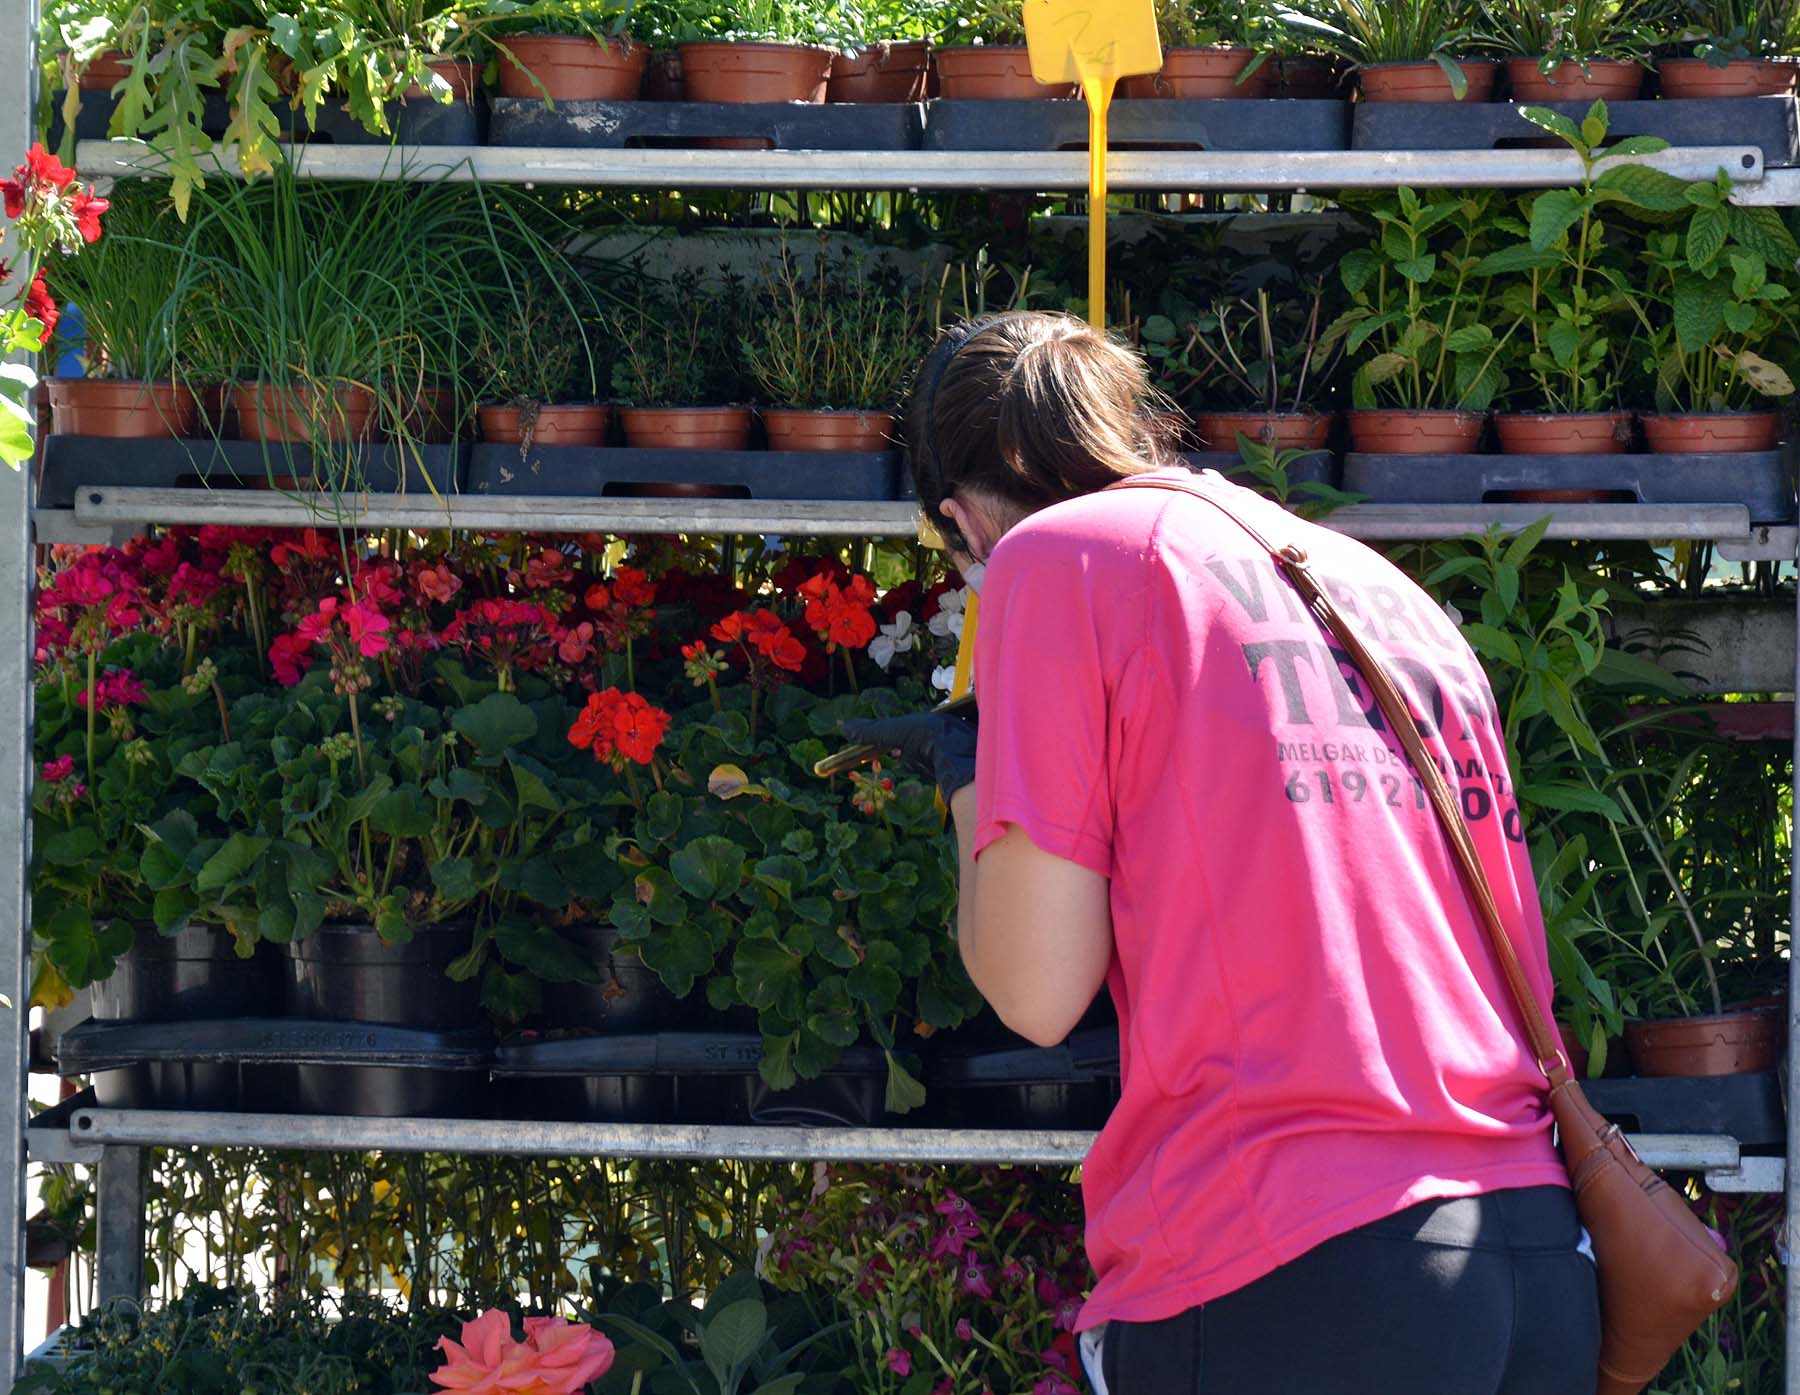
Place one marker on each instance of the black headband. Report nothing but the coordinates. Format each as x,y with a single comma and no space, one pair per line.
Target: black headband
931,376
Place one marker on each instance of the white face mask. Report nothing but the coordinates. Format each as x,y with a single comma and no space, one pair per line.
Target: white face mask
972,575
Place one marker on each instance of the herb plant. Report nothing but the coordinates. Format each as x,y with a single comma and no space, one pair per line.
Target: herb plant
1418,327
535,351
1256,353
679,342
842,334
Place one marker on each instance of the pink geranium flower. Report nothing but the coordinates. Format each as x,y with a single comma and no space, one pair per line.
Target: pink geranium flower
899,1362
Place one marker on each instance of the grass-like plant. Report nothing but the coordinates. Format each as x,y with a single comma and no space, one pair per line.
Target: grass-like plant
1579,31
133,286
843,334
1726,31
1369,32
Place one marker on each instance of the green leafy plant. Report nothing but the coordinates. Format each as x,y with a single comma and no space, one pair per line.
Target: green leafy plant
840,334
1728,31
1367,32
868,23
1269,472
1418,327
758,21
534,352
752,1340
1565,286
1579,31
679,342
981,22
1219,24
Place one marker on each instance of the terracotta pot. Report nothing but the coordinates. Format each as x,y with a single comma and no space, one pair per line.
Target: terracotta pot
1695,77
1282,430
576,424
686,428
1563,433
1605,80
218,413
1426,82
1203,72
715,72
801,430
270,413
881,73
432,417
1401,432
1732,1043
992,71
1711,431
662,80
463,75
1308,77
105,72
107,407
572,68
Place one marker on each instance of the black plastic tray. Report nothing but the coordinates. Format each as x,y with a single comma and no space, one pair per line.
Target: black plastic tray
282,1065
418,121
95,117
1768,123
1072,1086
1745,1107
694,1078
751,474
72,461
1761,480
785,125
1204,123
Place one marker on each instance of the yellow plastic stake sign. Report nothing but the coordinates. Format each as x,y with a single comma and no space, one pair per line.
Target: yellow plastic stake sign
1094,43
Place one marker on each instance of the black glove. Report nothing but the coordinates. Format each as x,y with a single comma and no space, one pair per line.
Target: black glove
937,745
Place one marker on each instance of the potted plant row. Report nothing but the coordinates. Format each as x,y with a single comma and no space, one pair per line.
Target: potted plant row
1571,314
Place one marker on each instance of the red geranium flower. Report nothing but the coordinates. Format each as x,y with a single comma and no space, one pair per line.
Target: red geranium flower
87,209
840,614
41,308
619,727
633,587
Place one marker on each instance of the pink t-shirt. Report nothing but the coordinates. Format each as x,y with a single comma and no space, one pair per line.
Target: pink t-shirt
1315,1032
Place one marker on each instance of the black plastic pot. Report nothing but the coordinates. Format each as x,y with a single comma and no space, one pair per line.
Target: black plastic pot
588,1079
197,973
627,998
345,972
1072,1086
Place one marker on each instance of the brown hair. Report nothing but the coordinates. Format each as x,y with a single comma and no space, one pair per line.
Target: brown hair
1030,406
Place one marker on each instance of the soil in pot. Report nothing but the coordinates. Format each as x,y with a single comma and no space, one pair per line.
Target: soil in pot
105,72
270,413
1402,432
1711,431
849,431
993,71
1203,73
686,428
181,978
569,424
345,972
108,407
726,72
628,997
1426,82
1282,430
1605,80
1563,433
1732,1043
571,68
1679,78
881,73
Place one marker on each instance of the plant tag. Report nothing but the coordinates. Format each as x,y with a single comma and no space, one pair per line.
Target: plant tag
1094,43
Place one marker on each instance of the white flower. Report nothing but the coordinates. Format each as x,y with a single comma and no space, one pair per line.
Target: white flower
949,617
897,638
944,679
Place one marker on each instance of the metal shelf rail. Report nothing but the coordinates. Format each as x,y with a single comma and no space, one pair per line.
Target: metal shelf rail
76,1131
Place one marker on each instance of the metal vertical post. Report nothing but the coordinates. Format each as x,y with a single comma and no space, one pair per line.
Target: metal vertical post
18,93
119,1209
1791,1219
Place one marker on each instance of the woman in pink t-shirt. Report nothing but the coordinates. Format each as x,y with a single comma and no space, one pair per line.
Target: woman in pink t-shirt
1330,1169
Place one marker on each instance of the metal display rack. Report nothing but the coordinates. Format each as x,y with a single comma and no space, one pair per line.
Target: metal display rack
78,1131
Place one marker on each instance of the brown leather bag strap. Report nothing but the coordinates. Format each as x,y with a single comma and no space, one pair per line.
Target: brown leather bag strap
1291,557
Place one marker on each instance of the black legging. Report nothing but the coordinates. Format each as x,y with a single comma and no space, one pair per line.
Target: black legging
1482,1295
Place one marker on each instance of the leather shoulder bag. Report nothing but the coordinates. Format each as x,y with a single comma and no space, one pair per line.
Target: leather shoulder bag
1661,1273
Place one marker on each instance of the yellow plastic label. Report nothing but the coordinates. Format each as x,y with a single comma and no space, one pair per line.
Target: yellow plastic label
1094,43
